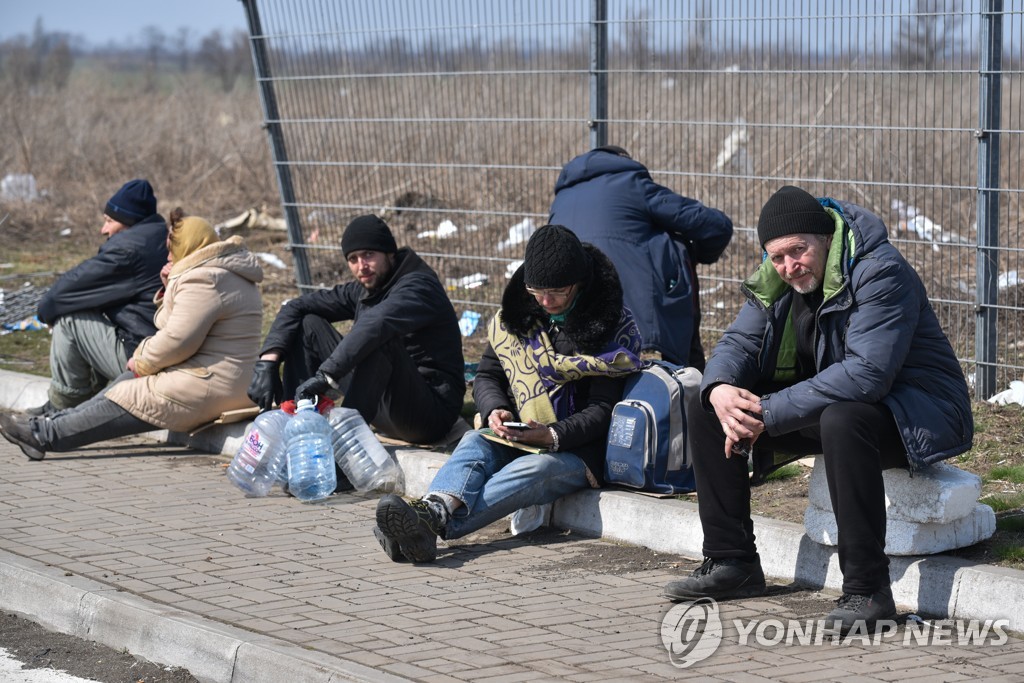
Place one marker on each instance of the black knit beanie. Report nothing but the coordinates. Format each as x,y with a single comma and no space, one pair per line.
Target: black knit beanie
133,202
792,211
368,232
555,258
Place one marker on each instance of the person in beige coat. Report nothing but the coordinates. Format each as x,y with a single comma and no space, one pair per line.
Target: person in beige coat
197,365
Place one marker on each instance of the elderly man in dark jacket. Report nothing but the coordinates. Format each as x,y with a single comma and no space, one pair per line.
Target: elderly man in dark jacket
654,237
836,351
557,357
102,308
400,365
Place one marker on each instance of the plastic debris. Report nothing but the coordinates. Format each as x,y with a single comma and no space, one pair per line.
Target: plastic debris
32,323
445,230
511,269
468,282
66,232
1008,279
518,234
1015,394
733,155
19,186
17,305
469,370
468,323
271,260
529,518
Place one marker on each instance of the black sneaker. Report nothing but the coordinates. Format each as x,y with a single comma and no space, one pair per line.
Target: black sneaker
867,610
412,523
389,546
728,577
17,431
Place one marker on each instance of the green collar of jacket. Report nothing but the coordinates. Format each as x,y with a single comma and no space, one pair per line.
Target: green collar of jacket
767,286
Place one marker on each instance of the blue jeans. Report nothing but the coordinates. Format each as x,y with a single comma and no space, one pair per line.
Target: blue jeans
494,480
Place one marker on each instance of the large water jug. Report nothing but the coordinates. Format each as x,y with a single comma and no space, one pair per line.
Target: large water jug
359,454
260,459
310,456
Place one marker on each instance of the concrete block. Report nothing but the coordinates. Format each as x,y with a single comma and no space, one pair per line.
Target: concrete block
911,538
19,391
935,495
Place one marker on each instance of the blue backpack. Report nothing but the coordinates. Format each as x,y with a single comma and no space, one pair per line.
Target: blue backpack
648,448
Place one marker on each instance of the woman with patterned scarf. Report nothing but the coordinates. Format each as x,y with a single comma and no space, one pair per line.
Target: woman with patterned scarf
559,351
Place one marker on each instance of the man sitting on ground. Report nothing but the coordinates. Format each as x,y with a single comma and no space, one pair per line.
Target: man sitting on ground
400,365
102,308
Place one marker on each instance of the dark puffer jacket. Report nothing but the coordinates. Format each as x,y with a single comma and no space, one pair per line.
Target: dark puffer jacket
588,329
120,282
877,339
653,236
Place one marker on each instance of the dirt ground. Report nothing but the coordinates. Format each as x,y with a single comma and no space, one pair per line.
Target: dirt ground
42,649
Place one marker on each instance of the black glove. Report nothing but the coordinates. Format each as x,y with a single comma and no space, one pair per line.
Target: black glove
265,389
315,386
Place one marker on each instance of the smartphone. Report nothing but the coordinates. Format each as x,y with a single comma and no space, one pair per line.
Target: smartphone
515,425
743,448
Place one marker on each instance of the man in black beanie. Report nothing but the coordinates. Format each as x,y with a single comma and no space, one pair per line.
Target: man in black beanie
836,351
102,308
400,365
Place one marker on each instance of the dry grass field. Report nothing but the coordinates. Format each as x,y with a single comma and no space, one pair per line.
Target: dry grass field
206,150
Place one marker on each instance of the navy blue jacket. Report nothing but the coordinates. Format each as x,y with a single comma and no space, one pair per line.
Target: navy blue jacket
877,339
120,282
652,235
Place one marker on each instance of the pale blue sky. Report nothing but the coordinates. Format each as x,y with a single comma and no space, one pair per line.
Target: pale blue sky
102,21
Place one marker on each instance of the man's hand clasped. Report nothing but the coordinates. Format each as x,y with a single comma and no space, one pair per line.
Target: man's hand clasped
739,412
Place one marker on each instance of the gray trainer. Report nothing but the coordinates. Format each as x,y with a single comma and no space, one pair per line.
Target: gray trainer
720,579
17,431
867,610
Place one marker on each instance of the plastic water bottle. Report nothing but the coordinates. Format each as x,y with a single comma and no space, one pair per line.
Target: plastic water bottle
310,456
260,459
359,454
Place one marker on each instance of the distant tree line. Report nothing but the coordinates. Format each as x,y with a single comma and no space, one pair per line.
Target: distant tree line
46,59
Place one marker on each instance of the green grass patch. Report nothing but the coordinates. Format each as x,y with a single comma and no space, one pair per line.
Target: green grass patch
1002,503
785,472
26,351
1011,473
1009,552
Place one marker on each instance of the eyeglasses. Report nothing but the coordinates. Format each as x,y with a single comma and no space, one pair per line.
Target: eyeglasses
559,294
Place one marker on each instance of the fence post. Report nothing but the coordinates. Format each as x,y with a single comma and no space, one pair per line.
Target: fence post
598,73
272,121
990,99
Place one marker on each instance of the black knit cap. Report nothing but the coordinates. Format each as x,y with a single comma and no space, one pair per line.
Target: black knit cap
368,232
792,211
133,202
555,258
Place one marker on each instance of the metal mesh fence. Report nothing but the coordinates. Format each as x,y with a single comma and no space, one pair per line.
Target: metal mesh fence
452,119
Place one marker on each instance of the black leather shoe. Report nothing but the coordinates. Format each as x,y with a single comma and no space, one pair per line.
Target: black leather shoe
719,579
18,432
867,610
412,524
389,546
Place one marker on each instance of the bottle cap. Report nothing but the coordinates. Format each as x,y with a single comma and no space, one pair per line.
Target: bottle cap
304,404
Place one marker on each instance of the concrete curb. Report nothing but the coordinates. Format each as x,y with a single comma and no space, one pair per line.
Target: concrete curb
932,584
212,651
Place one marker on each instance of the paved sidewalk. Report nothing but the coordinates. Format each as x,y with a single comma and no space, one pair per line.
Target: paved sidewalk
149,547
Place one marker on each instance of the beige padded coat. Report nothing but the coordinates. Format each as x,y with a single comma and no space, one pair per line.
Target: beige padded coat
201,359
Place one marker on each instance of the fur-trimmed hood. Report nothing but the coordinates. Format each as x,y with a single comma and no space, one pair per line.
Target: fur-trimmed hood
591,322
